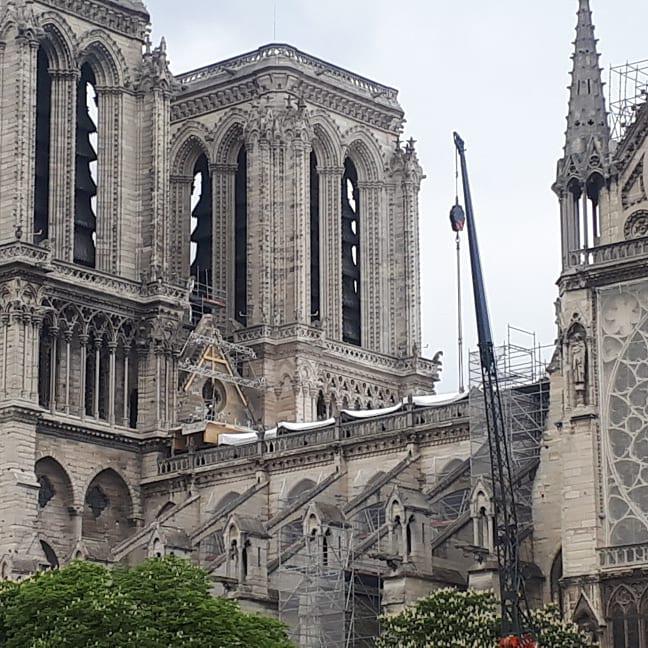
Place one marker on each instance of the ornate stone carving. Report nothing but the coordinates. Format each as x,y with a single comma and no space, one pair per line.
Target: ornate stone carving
270,122
636,225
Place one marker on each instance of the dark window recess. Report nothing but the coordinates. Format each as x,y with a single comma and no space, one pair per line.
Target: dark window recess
43,135
240,239
350,255
314,240
201,235
85,187
321,407
97,501
45,491
50,555
133,400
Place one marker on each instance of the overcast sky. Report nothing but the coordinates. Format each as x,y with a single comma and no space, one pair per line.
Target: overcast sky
496,71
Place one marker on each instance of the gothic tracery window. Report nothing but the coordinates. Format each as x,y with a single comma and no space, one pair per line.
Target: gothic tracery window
85,179
624,620
43,134
351,319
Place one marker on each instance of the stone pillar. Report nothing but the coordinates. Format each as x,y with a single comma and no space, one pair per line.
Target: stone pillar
331,244
411,267
372,241
223,237
109,180
178,252
62,152
18,144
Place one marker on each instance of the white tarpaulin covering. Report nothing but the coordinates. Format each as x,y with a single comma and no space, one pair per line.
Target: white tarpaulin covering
429,400
360,414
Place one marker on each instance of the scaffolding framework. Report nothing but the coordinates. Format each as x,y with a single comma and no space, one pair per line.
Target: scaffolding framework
326,596
628,88
524,391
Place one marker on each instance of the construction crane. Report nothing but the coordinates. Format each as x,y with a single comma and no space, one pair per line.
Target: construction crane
516,630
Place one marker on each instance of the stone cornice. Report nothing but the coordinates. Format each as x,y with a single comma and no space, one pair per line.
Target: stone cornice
108,14
229,91
97,433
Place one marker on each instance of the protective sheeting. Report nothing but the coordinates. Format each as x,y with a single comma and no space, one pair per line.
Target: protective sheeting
432,400
362,414
429,400
251,437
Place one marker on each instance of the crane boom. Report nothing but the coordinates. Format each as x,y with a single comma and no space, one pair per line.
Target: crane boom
507,544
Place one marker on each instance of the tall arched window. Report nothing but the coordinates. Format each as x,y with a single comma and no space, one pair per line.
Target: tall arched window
200,255
625,620
43,134
240,238
85,185
314,240
351,321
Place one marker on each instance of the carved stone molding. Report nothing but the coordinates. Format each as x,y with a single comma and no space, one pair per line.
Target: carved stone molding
636,226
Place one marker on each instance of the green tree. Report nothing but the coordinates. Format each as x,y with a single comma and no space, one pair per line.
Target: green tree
453,619
162,602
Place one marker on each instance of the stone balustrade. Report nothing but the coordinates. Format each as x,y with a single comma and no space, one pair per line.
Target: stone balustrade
293,55
340,432
610,253
612,557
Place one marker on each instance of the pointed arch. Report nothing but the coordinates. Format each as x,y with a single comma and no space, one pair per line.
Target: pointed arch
188,143
105,58
59,42
108,508
228,137
327,142
363,149
55,502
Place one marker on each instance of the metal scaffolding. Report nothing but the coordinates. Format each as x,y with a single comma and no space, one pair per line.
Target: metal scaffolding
524,391
326,597
628,88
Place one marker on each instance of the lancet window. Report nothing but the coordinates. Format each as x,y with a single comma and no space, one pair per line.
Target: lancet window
240,238
351,314
314,240
201,221
85,179
43,140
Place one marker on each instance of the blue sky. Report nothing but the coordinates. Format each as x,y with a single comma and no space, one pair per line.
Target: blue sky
496,71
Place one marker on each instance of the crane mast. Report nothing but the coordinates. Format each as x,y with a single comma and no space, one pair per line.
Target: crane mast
507,542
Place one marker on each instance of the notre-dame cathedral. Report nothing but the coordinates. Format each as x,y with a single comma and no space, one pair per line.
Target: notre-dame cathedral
210,339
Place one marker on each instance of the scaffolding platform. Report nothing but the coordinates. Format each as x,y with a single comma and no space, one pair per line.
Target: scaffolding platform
628,90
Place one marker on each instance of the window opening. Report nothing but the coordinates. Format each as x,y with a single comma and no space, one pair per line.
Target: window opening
43,136
314,240
201,246
85,179
351,320
240,238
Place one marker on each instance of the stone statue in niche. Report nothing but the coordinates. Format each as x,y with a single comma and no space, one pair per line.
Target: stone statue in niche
578,357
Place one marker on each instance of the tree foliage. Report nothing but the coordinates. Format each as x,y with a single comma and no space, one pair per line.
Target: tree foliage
453,619
162,602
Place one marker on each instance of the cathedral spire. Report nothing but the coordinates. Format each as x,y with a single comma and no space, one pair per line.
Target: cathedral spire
587,122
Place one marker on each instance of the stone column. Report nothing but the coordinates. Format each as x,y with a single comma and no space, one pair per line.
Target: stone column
18,144
331,245
109,180
222,176
62,152
178,253
371,259
412,283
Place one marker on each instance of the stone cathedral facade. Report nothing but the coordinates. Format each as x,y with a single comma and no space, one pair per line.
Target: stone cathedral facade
265,207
